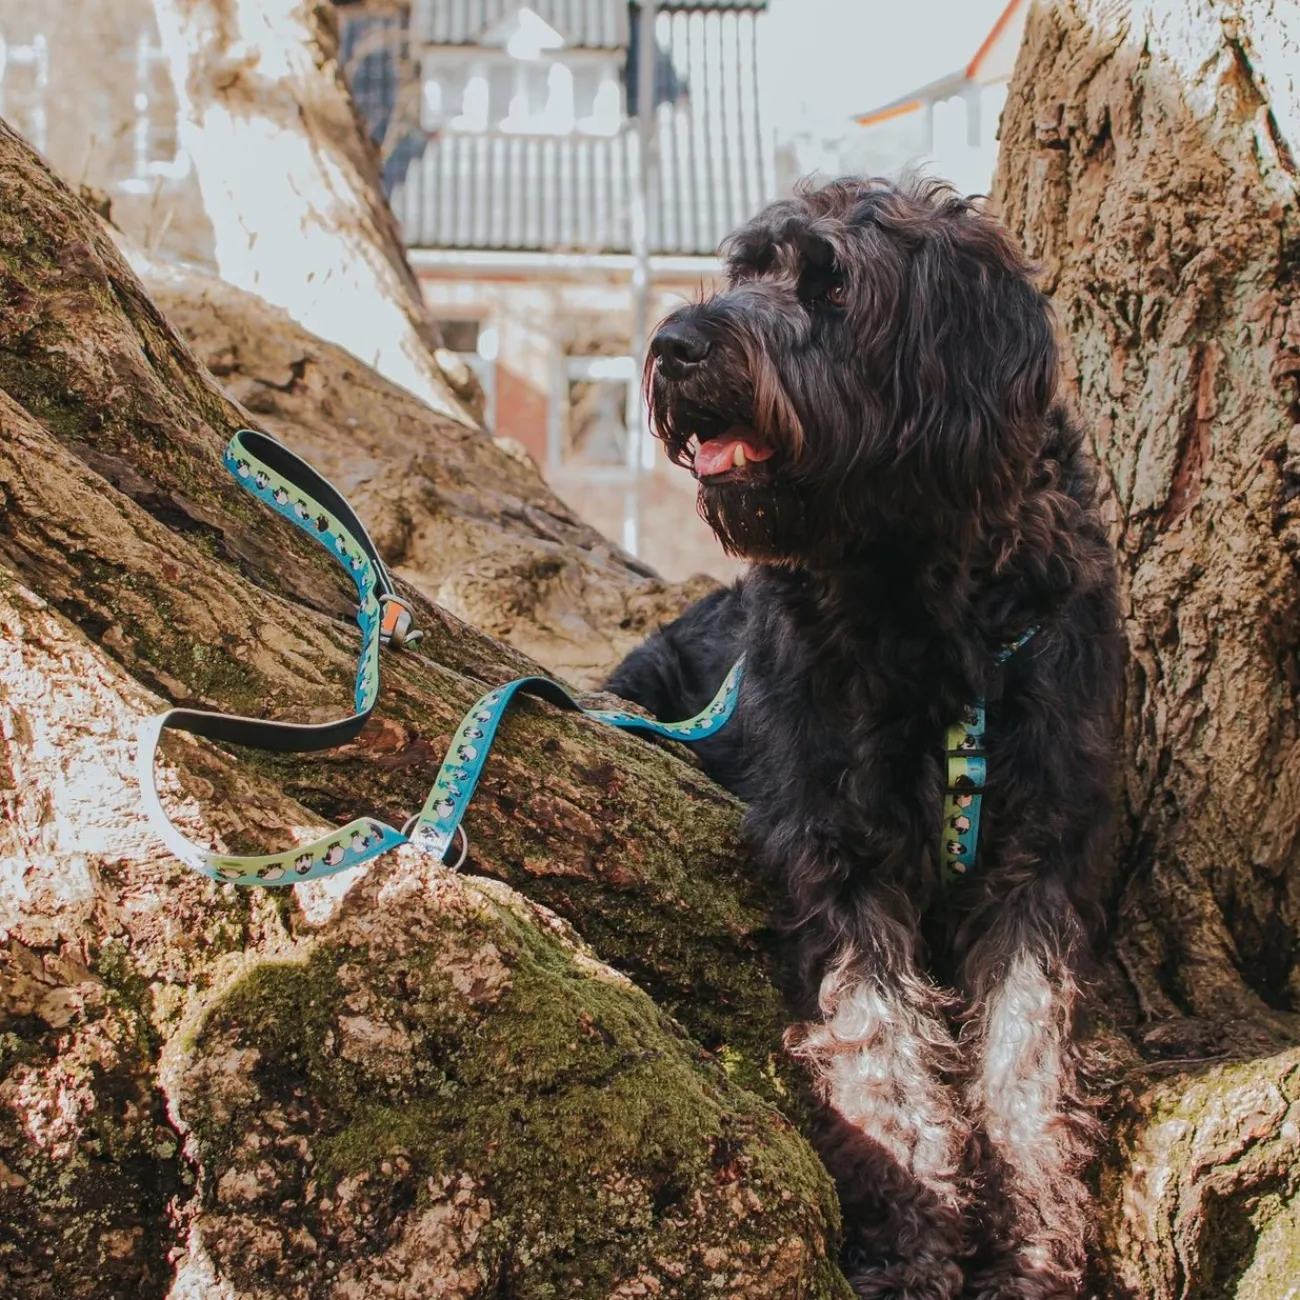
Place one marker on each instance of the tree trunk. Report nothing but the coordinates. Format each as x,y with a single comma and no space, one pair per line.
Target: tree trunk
403,1084
1149,164
477,531
291,182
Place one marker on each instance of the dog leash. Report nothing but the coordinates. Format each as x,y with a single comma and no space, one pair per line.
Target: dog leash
290,487
293,489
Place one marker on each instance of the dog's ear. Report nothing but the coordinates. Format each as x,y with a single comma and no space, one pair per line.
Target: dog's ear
978,362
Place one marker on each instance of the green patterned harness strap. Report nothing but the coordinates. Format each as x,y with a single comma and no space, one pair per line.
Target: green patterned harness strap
290,487
967,776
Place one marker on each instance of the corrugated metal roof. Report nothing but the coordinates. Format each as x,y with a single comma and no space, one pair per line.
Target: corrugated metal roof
569,194
573,193
589,24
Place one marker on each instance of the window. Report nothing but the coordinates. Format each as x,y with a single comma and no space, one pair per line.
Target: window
24,80
476,103
950,127
371,51
155,152
601,101
460,335
486,90
476,345
595,430
541,100
597,422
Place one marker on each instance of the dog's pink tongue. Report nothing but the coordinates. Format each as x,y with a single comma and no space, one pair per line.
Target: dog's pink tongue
718,455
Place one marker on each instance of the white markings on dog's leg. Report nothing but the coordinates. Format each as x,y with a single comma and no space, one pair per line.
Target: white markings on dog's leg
1026,1092
875,1057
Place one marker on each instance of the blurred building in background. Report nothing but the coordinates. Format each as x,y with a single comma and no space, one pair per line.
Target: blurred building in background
870,87
511,147
513,159
512,152
950,125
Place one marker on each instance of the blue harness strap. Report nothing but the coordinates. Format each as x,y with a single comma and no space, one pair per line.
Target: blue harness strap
289,486
967,775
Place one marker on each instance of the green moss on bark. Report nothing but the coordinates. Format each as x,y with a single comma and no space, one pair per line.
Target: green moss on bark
604,1139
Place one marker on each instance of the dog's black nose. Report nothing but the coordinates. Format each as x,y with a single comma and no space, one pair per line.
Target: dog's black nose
679,347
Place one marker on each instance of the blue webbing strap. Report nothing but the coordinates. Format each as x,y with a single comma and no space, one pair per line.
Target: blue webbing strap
437,822
289,486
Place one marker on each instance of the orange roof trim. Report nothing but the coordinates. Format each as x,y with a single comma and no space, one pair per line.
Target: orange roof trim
973,67
884,114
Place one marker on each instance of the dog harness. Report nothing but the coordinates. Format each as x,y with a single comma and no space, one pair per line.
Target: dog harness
967,774
286,483
290,487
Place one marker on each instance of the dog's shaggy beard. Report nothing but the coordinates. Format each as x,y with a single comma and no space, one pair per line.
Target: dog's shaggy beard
765,516
764,521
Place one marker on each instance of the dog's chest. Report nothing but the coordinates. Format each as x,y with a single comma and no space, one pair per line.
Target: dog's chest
850,733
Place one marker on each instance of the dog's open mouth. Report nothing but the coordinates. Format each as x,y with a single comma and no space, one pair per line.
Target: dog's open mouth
730,455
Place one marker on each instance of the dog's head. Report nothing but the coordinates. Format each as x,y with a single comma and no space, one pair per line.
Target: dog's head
878,367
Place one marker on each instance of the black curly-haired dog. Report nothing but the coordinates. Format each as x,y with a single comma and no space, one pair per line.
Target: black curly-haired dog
870,409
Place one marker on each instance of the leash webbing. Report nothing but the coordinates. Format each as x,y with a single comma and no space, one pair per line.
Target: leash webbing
289,486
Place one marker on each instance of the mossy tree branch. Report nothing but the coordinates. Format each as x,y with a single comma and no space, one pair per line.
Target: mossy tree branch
119,525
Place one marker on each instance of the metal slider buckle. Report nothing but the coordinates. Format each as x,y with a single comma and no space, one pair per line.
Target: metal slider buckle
396,623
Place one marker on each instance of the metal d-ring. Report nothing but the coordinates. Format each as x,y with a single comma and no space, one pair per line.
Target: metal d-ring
460,830
464,849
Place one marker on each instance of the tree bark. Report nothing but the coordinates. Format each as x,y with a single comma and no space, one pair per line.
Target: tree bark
1149,164
367,1088
291,182
477,531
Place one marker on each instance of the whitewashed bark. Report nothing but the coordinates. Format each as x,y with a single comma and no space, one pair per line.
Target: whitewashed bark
154,1135
291,184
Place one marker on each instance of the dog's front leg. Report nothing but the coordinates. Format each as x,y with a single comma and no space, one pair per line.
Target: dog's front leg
1026,1096
893,1133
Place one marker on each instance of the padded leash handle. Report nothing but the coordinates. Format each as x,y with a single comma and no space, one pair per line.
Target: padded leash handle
288,485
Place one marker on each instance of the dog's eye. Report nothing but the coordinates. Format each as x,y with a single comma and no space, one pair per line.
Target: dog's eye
837,293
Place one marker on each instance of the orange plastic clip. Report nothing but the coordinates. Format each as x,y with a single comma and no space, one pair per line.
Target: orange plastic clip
396,622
